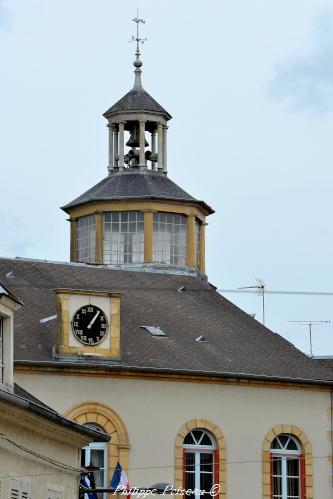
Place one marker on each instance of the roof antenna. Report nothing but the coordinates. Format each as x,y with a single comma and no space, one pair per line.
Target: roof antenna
260,286
310,324
138,63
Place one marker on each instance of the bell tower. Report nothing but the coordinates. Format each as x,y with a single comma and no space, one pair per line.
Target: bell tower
138,114
136,218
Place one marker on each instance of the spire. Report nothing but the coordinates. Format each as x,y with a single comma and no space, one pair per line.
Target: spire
138,63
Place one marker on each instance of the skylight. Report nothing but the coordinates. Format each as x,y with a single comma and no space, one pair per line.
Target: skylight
154,330
47,319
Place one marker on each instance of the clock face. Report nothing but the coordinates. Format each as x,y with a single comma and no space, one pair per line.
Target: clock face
89,325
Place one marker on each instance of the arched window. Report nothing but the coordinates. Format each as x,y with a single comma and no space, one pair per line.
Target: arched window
287,468
96,455
200,462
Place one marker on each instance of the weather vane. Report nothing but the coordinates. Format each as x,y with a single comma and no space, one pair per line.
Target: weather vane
137,38
138,62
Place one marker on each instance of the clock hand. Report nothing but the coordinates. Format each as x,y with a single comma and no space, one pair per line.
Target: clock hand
93,319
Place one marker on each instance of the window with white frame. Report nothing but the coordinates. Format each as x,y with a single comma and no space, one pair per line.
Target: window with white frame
1,350
287,468
19,488
170,239
86,239
96,455
123,237
200,460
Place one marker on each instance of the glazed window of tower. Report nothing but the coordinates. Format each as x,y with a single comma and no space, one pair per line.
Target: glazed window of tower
197,242
123,237
170,239
86,239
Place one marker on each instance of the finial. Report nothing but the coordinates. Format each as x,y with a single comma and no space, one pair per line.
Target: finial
138,63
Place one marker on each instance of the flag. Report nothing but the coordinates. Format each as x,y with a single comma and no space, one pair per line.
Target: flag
85,481
119,479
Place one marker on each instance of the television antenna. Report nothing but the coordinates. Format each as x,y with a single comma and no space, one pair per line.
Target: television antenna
310,324
260,287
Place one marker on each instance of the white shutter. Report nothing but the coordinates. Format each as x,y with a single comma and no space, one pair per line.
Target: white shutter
19,489
25,489
15,488
54,494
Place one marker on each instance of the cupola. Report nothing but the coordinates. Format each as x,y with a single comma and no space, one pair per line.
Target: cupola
136,217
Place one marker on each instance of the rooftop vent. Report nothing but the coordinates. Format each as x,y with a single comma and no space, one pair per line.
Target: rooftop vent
201,339
10,275
181,289
154,331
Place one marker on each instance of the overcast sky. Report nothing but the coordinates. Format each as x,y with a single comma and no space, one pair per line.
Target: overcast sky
250,87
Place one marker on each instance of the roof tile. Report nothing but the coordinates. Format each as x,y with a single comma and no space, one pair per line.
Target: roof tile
235,342
131,184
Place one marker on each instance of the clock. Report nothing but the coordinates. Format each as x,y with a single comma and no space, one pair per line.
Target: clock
89,325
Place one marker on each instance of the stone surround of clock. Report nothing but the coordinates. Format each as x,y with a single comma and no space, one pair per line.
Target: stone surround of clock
88,323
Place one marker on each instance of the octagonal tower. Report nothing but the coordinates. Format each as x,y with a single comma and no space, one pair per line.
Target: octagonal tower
136,217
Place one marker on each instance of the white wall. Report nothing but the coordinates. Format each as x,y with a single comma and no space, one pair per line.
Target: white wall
34,434
153,412
7,315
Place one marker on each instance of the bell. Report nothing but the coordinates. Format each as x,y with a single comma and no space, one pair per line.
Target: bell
134,140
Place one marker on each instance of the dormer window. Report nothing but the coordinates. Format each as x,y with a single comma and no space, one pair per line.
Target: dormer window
123,237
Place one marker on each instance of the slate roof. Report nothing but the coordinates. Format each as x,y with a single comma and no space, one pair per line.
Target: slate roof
137,100
23,400
326,362
131,184
5,292
236,345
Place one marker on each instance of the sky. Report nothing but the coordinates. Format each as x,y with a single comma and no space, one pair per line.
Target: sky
250,87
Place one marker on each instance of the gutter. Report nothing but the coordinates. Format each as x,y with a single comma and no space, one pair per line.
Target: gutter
160,370
49,414
149,197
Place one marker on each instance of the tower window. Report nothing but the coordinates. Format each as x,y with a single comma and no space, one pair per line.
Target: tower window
123,237
197,242
170,239
86,239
